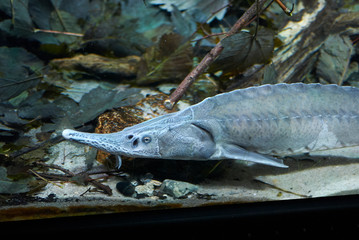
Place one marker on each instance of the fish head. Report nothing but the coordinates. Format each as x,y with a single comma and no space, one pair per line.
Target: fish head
182,141
127,143
142,143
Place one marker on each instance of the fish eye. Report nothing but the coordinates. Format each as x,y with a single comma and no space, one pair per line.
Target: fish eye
146,139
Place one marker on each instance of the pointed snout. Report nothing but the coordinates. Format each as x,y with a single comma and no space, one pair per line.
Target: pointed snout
106,142
82,137
126,143
68,133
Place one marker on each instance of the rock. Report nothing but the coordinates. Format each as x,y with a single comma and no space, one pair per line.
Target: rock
126,188
177,189
148,188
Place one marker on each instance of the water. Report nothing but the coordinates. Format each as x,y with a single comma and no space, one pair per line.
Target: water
99,66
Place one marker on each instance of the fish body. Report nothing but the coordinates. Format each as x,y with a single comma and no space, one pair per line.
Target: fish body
253,124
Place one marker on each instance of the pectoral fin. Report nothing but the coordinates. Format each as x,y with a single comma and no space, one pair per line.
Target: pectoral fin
235,152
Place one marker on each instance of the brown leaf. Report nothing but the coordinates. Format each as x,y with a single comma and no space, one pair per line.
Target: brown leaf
242,50
170,59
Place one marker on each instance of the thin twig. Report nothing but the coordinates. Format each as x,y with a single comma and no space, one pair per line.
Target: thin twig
212,55
57,167
340,82
208,36
12,13
355,41
43,178
49,142
68,176
284,7
14,82
59,16
44,144
224,33
36,30
107,190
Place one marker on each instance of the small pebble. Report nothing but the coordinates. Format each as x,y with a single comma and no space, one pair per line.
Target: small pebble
177,189
126,188
146,178
148,188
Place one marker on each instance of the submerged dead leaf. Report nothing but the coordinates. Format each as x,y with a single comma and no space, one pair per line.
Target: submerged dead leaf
8,186
126,28
201,10
17,71
242,50
94,103
64,22
334,59
170,59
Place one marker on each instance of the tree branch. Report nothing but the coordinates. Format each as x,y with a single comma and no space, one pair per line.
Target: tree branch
212,55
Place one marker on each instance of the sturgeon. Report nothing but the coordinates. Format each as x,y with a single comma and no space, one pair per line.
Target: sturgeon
256,124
